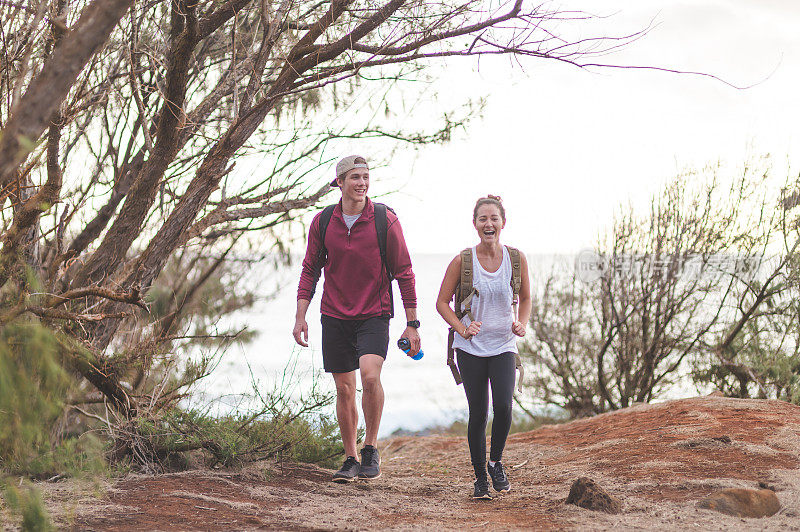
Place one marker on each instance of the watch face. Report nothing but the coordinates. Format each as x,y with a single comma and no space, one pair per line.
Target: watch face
414,324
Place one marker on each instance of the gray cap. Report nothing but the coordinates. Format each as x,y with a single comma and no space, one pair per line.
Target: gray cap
347,164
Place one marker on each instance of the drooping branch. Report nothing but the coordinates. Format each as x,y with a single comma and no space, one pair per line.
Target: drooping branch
222,215
48,309
132,297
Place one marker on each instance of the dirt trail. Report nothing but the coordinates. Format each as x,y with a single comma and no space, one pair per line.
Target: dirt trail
659,459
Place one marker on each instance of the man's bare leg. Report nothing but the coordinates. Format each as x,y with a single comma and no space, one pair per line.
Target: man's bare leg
372,398
347,410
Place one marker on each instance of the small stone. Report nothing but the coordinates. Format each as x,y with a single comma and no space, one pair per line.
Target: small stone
587,494
742,502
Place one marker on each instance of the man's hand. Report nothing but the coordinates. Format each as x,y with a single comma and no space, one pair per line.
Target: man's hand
518,328
300,332
470,331
413,337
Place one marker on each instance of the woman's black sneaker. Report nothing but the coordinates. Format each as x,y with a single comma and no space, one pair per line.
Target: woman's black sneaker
348,472
499,479
481,489
370,463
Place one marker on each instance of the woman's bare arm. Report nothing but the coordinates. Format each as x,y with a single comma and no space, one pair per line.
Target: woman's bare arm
452,276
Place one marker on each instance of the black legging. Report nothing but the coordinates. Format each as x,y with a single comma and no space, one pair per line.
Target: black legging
477,373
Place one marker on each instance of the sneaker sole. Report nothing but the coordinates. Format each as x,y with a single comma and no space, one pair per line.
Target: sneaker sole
343,480
486,497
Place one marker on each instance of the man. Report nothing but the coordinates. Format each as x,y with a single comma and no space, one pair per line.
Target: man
356,307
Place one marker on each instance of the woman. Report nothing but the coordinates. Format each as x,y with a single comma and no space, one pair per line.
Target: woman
486,347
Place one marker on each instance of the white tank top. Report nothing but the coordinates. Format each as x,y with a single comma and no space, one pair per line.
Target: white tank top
492,307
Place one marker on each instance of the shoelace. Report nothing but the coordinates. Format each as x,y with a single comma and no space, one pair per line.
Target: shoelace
498,471
350,461
367,455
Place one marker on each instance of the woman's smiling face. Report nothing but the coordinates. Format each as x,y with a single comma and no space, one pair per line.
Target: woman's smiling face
489,223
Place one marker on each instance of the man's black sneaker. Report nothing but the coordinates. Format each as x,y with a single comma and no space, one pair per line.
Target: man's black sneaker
370,463
481,489
499,479
348,472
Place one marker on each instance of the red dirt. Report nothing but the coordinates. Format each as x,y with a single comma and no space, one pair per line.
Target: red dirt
658,459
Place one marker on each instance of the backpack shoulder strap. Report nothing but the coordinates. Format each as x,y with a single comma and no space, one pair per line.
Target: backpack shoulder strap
324,220
516,272
462,296
516,284
465,289
382,229
465,283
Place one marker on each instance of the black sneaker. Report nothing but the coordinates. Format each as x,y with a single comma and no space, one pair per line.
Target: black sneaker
370,463
481,489
499,479
348,472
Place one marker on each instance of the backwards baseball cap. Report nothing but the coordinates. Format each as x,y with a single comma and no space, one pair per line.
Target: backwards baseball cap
347,164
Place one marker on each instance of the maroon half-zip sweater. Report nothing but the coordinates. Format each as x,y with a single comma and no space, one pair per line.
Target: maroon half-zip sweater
356,287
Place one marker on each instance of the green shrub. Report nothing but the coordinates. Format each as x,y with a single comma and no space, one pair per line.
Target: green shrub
70,457
33,386
284,430
26,502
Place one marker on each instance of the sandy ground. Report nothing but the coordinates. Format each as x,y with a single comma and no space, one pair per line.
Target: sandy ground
658,459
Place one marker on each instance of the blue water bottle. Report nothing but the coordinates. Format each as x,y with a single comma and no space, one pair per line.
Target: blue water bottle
405,347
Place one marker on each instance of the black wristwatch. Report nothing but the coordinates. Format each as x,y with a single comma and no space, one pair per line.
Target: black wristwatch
414,324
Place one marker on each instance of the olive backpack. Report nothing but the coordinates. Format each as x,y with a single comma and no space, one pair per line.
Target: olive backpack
462,304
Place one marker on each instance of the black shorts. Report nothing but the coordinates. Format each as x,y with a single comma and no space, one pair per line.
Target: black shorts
345,341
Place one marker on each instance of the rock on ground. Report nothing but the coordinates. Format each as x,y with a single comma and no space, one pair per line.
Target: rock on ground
743,502
585,493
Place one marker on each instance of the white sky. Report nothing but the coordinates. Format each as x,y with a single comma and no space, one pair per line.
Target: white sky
566,147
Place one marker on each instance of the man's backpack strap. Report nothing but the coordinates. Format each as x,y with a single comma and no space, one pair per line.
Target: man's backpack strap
324,220
382,229
322,254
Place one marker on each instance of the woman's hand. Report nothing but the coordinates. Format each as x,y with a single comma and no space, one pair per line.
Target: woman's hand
470,331
518,328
